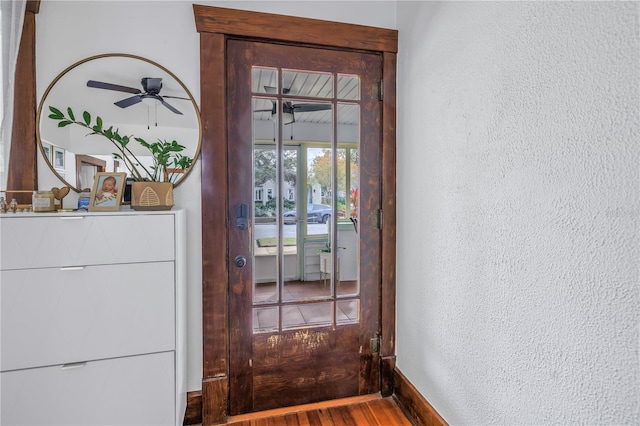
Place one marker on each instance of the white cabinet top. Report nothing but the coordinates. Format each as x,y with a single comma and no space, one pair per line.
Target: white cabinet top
41,240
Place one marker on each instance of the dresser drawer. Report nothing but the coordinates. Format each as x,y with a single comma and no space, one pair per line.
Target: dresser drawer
55,316
29,241
136,390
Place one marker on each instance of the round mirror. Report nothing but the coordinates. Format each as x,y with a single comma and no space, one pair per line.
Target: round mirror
133,95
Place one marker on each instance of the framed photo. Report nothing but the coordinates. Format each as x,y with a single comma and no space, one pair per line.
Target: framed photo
46,148
58,157
107,191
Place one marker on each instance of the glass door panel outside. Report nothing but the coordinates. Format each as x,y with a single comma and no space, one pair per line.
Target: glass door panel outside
300,155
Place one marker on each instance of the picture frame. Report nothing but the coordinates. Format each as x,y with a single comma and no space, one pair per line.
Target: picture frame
46,148
107,191
58,158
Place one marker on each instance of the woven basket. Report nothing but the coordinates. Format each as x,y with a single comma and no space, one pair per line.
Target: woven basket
151,195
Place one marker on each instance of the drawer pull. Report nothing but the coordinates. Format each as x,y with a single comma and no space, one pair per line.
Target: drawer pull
72,365
72,218
72,268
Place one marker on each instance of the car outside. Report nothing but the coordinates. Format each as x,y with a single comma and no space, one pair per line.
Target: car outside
316,213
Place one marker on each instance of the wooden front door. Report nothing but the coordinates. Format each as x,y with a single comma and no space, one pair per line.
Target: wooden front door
304,176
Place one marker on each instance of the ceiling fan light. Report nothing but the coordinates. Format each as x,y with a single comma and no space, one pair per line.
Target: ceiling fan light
287,117
149,100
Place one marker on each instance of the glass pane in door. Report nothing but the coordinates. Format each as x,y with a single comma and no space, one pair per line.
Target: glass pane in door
348,87
265,224
306,83
348,184
306,179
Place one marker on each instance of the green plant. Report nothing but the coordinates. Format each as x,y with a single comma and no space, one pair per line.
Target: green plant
167,160
327,248
268,209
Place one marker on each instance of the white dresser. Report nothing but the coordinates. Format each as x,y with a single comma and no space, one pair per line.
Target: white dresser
92,318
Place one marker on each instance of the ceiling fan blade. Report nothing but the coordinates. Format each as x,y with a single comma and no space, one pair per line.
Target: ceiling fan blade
311,107
273,91
175,97
272,110
169,106
128,101
109,86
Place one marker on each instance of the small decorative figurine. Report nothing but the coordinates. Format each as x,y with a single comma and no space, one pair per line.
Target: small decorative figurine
3,205
13,205
60,193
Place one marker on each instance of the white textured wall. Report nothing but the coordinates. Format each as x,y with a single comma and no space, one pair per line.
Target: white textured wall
518,210
164,31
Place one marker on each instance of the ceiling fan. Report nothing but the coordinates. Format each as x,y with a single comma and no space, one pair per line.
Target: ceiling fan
289,108
151,87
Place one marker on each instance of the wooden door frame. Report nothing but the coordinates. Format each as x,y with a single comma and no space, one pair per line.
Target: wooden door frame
22,170
215,25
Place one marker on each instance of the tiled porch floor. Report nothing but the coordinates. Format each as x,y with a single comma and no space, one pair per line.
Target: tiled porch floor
305,314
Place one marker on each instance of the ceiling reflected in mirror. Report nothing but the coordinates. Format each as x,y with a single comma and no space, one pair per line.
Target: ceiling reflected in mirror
135,95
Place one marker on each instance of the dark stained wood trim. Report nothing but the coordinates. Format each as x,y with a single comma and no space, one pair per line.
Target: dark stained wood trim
33,6
214,207
214,400
22,172
293,29
239,142
387,367
387,344
193,415
215,328
414,404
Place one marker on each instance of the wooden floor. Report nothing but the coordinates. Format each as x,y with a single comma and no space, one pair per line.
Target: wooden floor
357,411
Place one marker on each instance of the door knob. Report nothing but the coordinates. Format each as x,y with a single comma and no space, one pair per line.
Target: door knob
240,261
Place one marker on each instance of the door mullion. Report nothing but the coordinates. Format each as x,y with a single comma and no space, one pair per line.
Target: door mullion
279,202
334,199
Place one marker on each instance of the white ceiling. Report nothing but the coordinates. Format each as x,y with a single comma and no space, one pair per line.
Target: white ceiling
306,88
71,90
301,88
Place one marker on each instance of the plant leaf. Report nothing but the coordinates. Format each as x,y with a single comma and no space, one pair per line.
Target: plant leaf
87,118
70,112
56,114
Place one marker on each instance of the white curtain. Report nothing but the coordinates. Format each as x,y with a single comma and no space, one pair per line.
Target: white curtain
12,15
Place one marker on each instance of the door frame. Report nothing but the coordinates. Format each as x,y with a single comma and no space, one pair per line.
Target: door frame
215,26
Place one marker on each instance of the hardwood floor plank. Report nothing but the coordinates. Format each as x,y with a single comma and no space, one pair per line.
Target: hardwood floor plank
314,418
363,415
325,417
372,410
303,419
342,415
290,419
388,413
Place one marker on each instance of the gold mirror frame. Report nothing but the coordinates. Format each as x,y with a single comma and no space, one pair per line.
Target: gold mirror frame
43,111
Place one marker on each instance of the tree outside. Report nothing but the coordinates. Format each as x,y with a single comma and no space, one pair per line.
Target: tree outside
320,172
